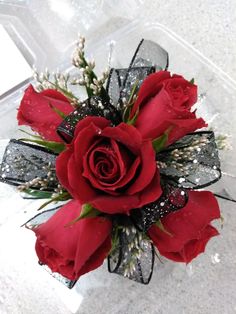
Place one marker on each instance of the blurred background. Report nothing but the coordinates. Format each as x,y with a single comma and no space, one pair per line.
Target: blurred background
200,38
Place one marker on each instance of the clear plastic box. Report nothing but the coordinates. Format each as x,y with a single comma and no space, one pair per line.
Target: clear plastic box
41,43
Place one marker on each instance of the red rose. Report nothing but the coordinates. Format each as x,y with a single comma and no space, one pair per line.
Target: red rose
165,101
75,250
111,168
189,227
35,111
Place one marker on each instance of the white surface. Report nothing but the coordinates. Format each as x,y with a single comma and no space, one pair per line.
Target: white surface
14,68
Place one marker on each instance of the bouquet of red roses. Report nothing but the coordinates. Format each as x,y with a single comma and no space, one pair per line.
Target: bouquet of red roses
127,161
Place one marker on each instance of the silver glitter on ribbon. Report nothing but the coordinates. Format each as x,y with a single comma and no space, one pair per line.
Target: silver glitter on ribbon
192,162
26,163
132,255
172,199
94,106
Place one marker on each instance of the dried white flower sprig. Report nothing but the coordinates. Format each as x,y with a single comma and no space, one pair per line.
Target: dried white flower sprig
63,81
88,78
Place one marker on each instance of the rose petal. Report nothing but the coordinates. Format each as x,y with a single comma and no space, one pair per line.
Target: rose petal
62,169
80,188
152,192
192,248
153,114
126,134
99,122
147,170
182,127
149,88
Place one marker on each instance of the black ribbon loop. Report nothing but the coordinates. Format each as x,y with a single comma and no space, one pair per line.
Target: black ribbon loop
132,255
150,54
120,82
172,199
23,162
93,106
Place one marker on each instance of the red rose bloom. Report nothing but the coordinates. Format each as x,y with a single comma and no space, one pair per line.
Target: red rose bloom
189,227
35,111
111,168
164,102
75,250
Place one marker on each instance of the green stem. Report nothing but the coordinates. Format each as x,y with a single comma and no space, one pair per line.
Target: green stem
92,76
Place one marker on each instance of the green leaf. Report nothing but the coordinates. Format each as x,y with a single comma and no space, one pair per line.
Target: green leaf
159,143
133,120
133,91
162,228
191,81
86,212
38,194
59,198
32,135
53,146
130,103
59,112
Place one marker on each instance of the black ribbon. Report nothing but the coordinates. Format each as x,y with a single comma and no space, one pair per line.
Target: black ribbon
132,253
23,162
192,162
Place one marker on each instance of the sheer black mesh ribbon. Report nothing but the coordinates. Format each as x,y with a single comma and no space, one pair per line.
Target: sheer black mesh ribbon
132,255
148,58
34,223
23,162
191,162
94,106
172,199
150,54
120,83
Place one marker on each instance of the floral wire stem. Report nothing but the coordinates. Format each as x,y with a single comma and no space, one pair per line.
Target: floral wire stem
93,84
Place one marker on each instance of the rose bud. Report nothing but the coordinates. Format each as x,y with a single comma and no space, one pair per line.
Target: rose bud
188,230
164,103
73,250
36,111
